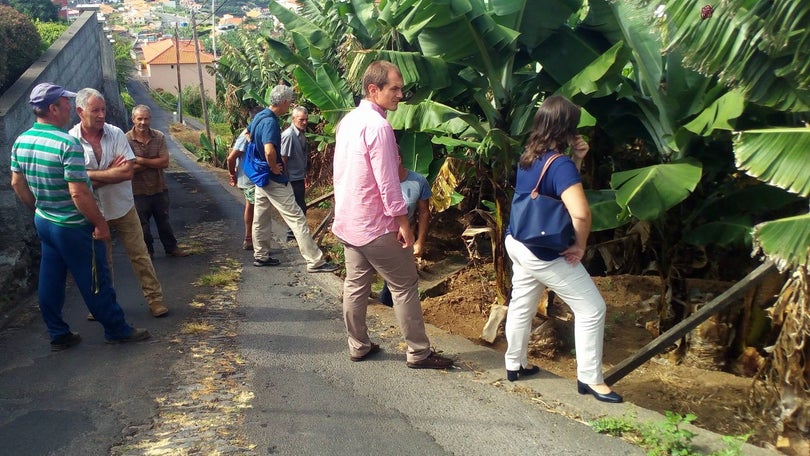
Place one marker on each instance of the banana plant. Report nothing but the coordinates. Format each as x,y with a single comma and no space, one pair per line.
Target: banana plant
761,49
766,69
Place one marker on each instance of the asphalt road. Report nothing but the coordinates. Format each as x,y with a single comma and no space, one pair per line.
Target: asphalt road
308,398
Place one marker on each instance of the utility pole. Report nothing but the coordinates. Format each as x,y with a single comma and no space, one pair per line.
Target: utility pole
214,31
177,67
202,89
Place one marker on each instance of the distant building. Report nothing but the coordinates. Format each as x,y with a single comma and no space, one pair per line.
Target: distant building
159,66
62,4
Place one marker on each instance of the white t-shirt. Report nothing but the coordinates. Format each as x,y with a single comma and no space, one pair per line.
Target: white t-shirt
115,200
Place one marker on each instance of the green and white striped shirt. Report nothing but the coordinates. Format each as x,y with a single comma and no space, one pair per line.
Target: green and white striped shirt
49,158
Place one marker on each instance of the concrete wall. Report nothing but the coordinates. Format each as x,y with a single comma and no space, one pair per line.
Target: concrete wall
81,57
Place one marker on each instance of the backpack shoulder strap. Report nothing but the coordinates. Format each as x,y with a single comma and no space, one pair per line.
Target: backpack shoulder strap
536,190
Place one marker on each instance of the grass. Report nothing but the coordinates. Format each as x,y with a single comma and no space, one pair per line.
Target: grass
666,438
223,275
196,327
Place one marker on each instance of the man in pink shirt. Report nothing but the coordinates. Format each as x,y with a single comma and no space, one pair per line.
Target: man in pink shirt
371,219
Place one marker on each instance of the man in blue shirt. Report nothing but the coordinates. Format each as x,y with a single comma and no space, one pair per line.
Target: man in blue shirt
265,133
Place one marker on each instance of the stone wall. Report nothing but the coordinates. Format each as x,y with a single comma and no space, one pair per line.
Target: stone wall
81,57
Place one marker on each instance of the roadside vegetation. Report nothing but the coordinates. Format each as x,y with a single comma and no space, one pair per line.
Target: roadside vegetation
697,142
667,438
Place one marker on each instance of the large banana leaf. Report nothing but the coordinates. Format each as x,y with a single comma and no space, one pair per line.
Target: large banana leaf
471,39
605,213
431,117
430,72
534,23
591,80
761,47
647,193
756,200
285,56
722,233
786,241
778,156
717,115
327,90
416,151
310,40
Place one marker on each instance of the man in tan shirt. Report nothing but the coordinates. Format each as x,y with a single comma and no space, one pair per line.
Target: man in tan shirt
149,183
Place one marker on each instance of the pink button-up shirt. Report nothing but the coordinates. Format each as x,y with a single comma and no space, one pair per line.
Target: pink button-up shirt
366,177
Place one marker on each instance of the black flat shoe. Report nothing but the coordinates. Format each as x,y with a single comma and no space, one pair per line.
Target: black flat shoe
611,397
522,372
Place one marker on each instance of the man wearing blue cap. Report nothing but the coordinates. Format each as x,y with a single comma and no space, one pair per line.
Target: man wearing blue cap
48,175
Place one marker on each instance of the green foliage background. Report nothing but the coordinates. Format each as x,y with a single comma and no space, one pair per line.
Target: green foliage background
49,32
19,45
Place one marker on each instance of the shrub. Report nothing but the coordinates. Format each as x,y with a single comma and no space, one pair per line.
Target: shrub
49,32
192,103
129,102
19,45
43,10
124,65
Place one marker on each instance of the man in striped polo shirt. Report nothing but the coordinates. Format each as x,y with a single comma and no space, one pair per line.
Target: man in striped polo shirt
48,175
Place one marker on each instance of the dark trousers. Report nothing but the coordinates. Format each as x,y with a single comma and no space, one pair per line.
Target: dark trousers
156,206
299,191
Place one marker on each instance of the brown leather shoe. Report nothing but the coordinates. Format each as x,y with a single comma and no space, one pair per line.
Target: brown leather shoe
137,335
434,361
375,348
178,252
157,309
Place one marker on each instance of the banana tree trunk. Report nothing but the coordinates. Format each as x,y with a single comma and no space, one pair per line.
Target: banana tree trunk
503,280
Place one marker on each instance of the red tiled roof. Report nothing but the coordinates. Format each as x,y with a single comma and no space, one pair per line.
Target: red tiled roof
231,20
163,53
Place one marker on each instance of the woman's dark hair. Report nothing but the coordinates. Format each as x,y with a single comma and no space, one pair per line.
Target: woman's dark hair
555,125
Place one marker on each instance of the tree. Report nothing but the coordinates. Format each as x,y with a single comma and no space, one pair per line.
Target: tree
19,45
43,10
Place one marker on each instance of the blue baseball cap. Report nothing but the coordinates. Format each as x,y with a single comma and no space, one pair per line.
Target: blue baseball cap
46,94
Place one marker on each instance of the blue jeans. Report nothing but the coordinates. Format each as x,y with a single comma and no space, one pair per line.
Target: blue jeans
73,248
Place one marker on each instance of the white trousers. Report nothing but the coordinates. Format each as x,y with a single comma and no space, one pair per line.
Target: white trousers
281,197
573,284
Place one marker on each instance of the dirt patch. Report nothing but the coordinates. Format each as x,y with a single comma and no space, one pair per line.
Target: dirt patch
719,399
460,305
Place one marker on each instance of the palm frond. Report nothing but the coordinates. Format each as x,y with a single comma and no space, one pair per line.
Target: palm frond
760,47
778,156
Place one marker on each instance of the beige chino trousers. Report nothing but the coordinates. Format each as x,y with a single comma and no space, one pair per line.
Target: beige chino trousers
396,265
281,197
128,231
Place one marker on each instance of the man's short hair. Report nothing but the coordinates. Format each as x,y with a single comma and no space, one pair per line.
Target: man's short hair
280,94
299,110
142,107
377,74
83,96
